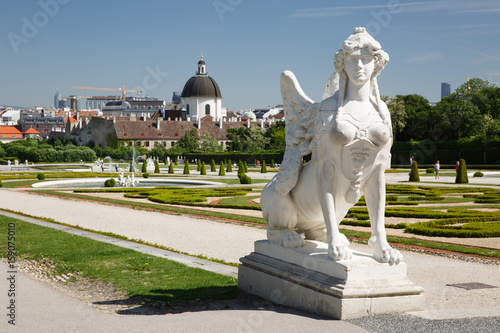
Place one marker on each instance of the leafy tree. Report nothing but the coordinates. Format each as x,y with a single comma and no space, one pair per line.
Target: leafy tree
209,144
190,141
398,115
416,121
471,88
247,139
459,118
276,133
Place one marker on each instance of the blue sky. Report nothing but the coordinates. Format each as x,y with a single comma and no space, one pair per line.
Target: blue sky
154,45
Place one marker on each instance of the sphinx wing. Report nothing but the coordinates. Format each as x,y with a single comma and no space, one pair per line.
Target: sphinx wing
301,114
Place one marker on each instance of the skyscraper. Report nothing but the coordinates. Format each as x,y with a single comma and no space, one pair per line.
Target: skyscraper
56,99
445,89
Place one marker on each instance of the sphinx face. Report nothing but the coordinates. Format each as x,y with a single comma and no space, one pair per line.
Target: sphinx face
359,66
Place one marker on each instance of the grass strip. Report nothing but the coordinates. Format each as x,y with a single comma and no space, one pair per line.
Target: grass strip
155,280
164,208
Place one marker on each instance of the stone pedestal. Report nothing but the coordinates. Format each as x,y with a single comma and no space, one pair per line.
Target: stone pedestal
306,278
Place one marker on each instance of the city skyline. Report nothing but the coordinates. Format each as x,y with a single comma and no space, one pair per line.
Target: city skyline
155,45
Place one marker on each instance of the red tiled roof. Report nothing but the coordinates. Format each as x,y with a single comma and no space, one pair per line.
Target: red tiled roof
9,130
31,131
174,129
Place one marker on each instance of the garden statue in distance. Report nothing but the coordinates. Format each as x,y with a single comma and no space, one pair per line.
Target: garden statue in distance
350,136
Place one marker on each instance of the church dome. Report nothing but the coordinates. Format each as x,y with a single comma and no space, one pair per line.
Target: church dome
201,85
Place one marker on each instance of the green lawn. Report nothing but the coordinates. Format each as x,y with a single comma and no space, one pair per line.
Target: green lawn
152,278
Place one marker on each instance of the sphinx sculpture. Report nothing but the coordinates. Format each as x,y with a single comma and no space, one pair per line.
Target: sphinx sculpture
349,135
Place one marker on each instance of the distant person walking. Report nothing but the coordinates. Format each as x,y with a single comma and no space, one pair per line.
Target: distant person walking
411,160
436,168
456,166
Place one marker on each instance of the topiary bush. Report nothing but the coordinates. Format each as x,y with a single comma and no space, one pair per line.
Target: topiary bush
263,168
414,176
241,168
110,182
1,184
478,174
40,176
244,179
144,167
213,168
246,166
198,165
171,168
157,167
222,171
229,167
186,167
462,177
131,167
430,170
203,170
145,175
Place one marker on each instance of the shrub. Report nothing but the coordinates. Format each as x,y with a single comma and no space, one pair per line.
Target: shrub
144,167
213,168
40,176
171,168
186,167
263,168
246,166
229,166
203,170
131,167
241,169
462,173
157,167
1,184
110,183
430,170
244,179
198,167
272,163
478,174
145,174
414,176
222,171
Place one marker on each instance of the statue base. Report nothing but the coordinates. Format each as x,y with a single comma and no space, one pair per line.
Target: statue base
306,278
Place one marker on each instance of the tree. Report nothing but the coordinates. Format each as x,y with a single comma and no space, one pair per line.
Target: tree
190,141
398,115
459,118
471,88
247,139
209,144
416,122
276,133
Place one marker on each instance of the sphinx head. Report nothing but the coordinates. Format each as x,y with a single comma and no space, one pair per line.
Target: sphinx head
361,40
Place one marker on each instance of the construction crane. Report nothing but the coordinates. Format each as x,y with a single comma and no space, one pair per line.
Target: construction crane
110,89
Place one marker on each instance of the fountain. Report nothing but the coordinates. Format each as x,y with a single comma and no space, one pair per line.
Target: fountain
110,162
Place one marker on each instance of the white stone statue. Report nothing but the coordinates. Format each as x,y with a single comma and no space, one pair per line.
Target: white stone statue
349,135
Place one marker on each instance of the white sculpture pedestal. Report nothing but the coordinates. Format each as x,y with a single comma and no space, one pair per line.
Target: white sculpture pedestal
306,278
